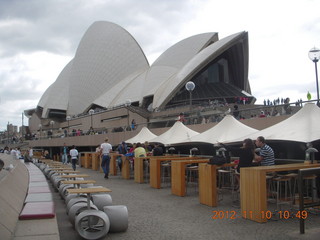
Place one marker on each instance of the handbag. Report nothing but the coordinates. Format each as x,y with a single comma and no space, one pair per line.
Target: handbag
217,160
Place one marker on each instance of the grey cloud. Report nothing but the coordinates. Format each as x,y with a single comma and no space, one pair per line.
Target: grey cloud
301,89
57,26
17,87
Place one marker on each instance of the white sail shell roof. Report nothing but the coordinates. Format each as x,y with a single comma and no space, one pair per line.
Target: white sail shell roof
106,54
166,66
161,96
57,95
110,67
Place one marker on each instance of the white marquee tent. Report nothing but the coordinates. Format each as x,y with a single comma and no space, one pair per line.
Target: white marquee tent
303,126
227,129
144,135
175,134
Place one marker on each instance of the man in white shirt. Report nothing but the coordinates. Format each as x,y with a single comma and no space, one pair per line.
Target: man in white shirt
74,157
105,149
31,153
13,153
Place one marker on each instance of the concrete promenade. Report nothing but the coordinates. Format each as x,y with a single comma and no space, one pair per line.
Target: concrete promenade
157,214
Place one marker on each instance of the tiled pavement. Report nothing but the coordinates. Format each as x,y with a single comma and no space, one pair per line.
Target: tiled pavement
157,214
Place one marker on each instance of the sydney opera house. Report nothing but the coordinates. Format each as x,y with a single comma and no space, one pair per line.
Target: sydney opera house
109,84
110,69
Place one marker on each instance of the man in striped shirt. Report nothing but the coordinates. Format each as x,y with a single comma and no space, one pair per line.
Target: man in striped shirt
266,156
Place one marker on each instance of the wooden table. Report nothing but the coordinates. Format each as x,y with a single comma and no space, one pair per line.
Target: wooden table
88,191
77,183
138,165
95,161
75,176
208,183
55,164
113,163
125,169
44,160
155,167
60,168
62,171
253,188
85,159
178,175
138,169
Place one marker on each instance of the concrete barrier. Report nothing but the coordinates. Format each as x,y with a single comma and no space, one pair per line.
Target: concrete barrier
14,187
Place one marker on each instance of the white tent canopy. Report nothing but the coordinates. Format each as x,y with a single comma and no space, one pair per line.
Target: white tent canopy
227,129
144,135
175,134
301,127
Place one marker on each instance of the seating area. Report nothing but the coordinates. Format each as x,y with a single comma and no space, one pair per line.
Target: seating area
38,203
20,217
89,207
92,211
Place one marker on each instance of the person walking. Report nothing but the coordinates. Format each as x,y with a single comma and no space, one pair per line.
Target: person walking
133,124
64,154
74,157
122,149
105,150
31,153
1,164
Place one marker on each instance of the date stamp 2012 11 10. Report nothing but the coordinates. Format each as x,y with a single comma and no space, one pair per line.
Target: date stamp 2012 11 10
263,214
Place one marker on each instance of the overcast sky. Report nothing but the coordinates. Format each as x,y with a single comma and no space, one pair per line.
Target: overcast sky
39,37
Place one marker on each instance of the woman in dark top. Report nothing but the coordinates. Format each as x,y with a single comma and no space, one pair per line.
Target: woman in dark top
245,153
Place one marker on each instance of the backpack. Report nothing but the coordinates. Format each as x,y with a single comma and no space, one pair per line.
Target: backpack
217,160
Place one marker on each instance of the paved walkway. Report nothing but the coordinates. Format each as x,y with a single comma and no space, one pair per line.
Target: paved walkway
157,214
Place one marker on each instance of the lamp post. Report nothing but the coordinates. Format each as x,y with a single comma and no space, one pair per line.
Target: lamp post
22,127
8,133
40,128
314,55
91,111
68,119
128,104
190,87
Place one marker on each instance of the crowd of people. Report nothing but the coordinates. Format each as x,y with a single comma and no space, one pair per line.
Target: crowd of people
250,154
17,153
136,150
73,132
276,101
